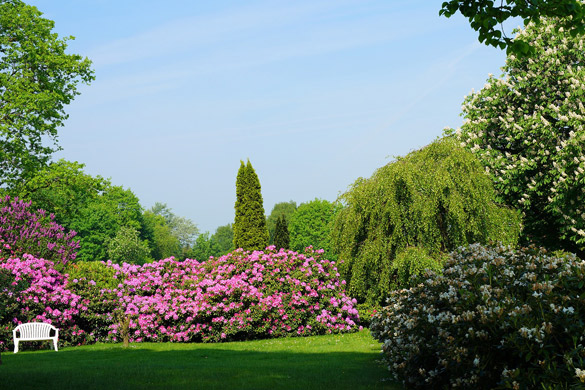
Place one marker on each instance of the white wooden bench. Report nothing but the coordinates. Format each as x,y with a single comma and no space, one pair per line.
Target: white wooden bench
34,331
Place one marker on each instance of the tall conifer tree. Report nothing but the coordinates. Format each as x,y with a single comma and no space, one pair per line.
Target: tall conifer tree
250,232
281,237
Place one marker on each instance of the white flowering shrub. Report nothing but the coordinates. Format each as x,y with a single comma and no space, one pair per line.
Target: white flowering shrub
528,128
495,318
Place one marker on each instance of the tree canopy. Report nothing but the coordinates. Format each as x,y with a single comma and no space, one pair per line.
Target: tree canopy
310,225
528,128
486,17
436,198
37,80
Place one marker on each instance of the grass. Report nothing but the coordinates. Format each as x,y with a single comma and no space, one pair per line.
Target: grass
348,361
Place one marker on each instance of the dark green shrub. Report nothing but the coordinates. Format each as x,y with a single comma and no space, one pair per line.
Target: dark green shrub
281,236
496,318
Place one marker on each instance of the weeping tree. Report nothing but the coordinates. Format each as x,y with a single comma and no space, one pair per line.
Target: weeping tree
250,232
436,198
281,236
528,128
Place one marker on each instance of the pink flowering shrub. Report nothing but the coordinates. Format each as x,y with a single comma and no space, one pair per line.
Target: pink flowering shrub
44,297
496,318
238,296
24,231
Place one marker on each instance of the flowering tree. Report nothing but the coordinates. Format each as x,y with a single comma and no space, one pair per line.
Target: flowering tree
527,128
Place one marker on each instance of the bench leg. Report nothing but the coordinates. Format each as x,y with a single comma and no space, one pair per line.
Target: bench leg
55,344
15,346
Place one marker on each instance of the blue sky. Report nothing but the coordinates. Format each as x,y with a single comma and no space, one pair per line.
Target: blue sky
315,93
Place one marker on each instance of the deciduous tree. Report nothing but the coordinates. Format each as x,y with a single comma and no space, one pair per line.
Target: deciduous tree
310,225
224,237
528,128
37,80
486,17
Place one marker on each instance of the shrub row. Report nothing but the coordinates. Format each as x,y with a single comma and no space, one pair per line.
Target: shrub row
242,295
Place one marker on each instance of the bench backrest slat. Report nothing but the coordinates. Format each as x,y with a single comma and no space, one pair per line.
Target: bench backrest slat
33,330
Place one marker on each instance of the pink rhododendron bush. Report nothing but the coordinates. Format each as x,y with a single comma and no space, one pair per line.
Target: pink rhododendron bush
239,296
41,294
495,318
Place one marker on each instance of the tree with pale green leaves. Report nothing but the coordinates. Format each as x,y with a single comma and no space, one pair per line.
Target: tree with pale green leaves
528,128
183,229
250,232
38,78
436,199
126,246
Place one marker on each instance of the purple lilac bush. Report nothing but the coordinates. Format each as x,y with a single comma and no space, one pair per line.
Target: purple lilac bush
36,233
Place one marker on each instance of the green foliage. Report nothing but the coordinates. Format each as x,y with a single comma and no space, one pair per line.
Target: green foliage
436,198
310,225
224,237
410,264
282,208
486,17
37,80
205,247
250,231
528,128
281,236
163,243
62,188
497,318
126,246
100,221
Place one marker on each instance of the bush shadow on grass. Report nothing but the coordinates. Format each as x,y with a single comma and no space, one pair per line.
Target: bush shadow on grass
199,368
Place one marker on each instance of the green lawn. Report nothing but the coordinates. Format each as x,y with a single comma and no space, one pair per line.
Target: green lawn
347,361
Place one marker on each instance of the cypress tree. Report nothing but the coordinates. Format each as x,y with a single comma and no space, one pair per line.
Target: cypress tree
250,232
281,237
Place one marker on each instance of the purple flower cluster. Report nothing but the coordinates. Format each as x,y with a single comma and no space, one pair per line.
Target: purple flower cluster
23,231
